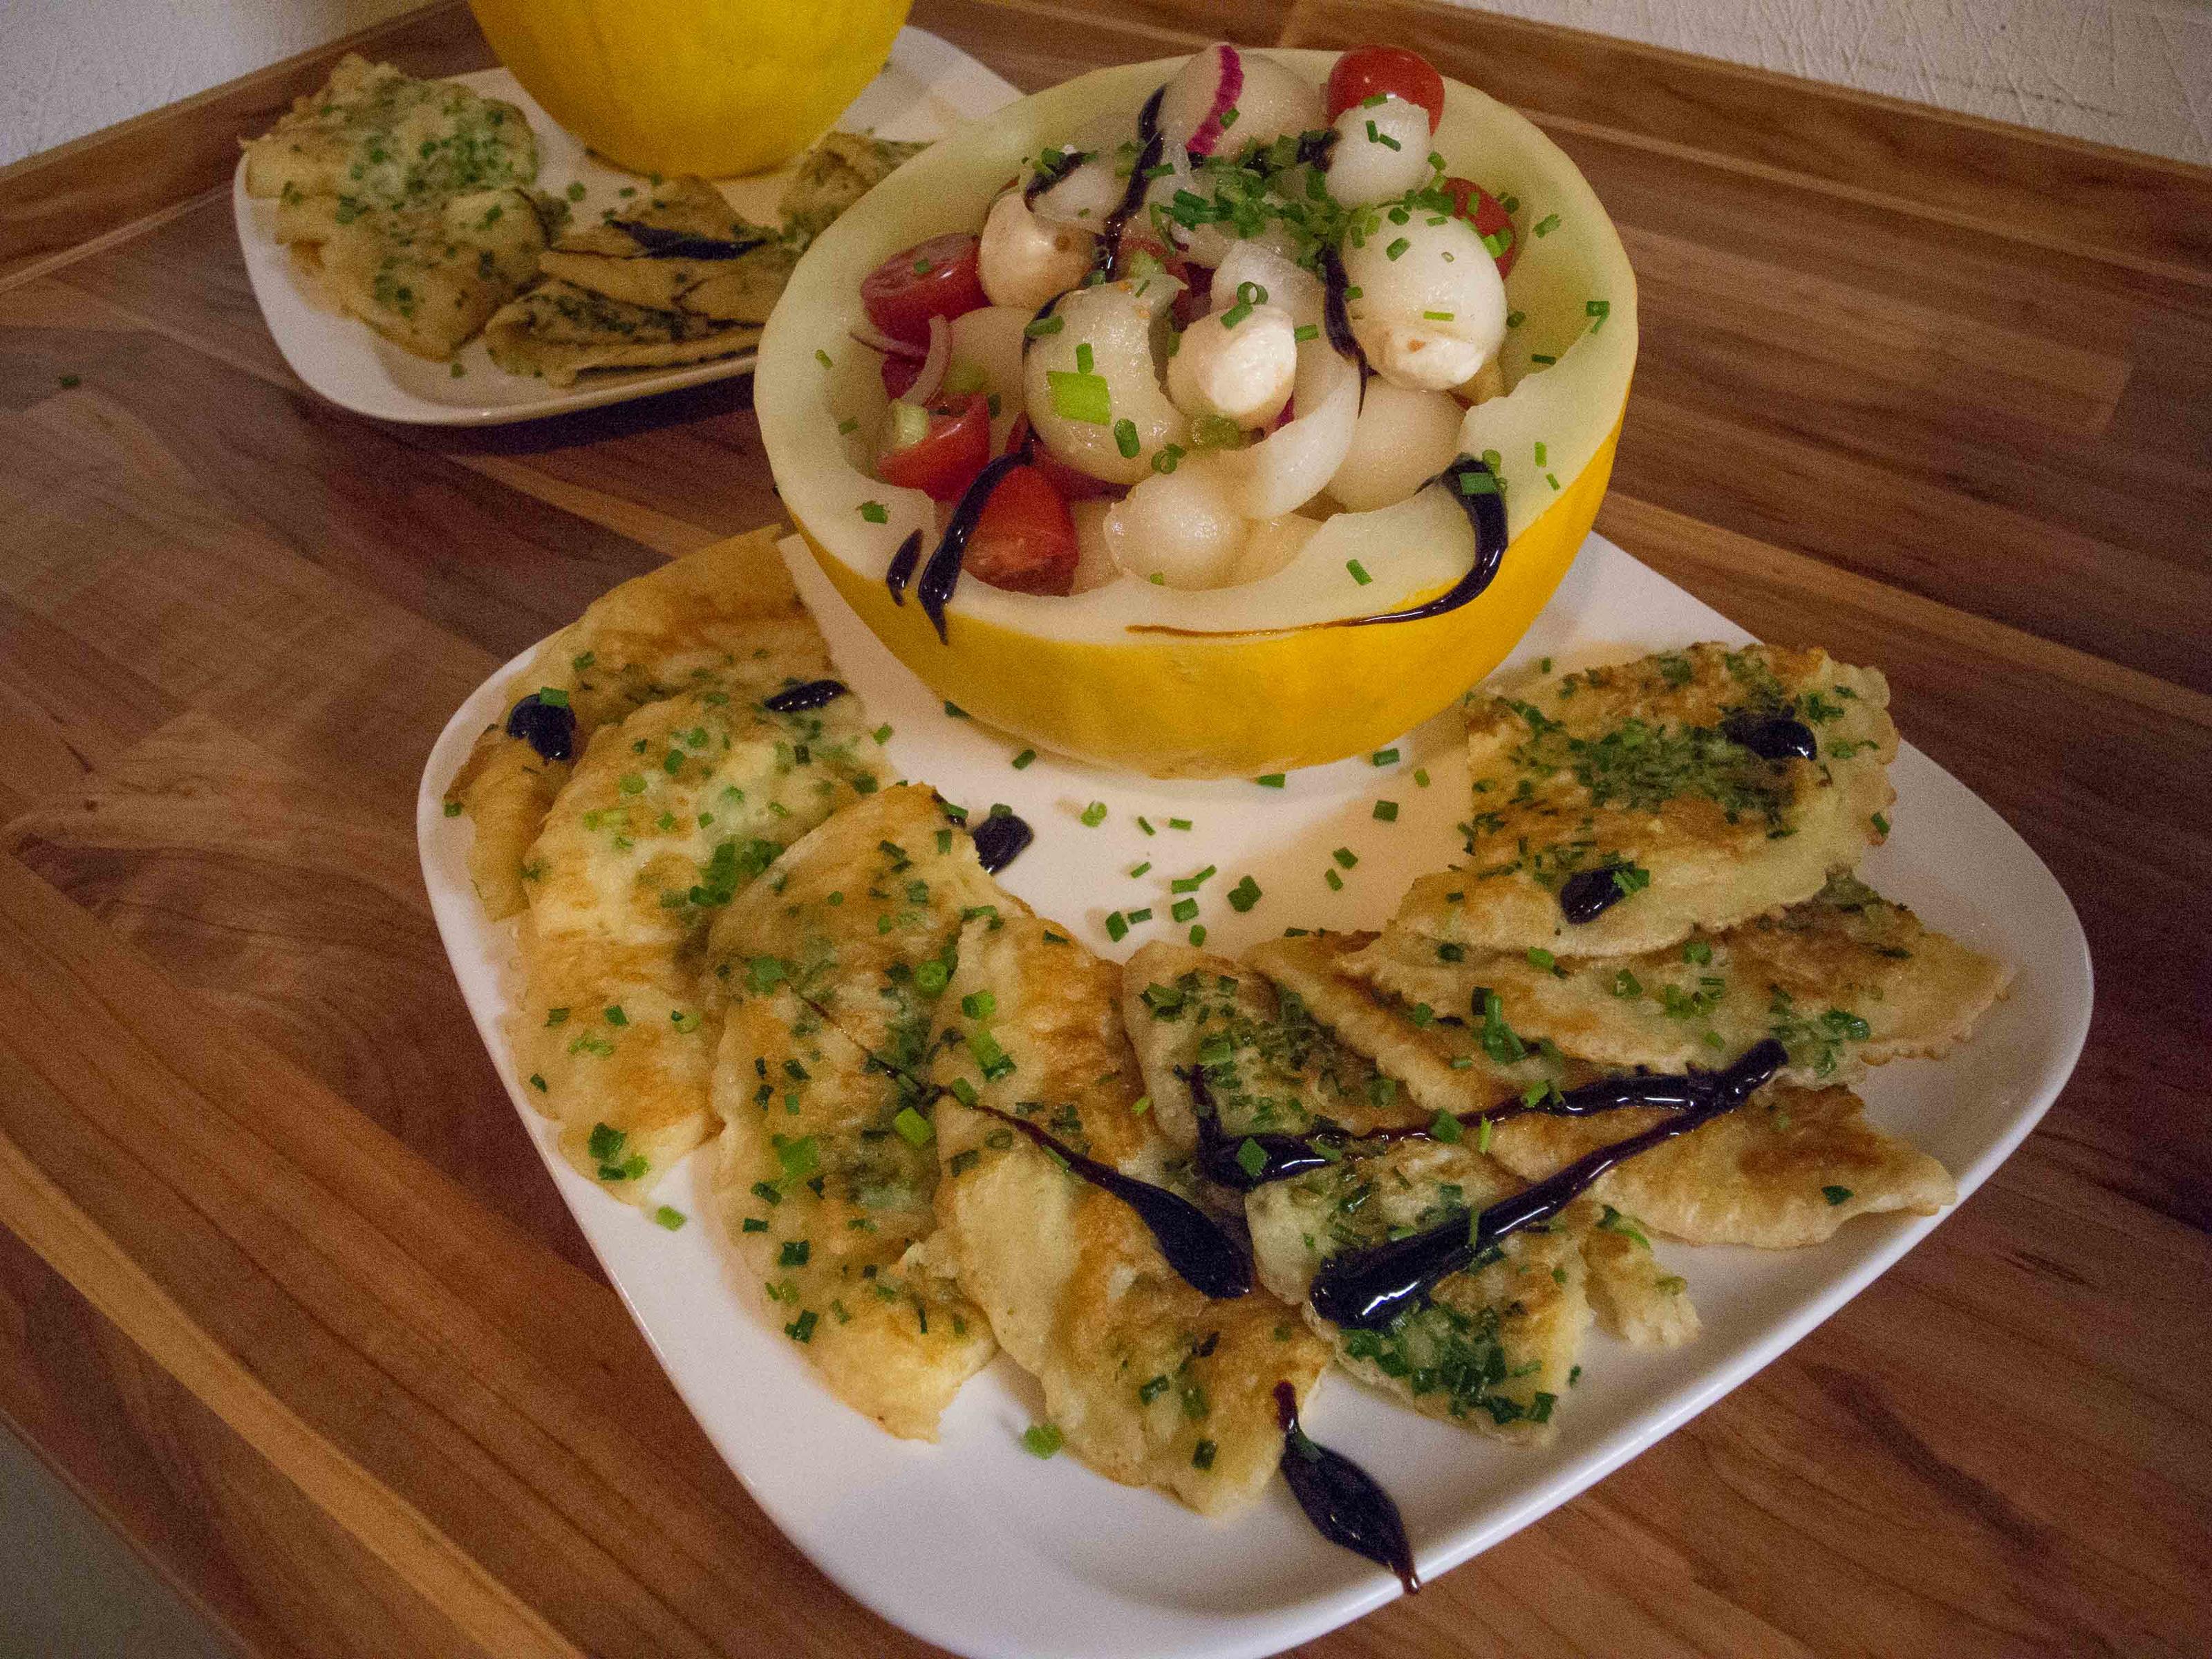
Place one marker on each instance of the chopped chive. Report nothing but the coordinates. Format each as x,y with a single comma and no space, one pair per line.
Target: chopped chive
1198,935
1083,358
1358,572
1837,1194
1600,309
913,1127
1437,316
1117,926
452,809
1386,811
1345,856
1140,869
1136,916
1183,910
1142,1104
875,513
1094,815
1541,357
1244,894
1042,1439
1446,1128
1125,439
1146,824
954,711
1023,761
847,426
1515,318
1547,224
1044,325
1251,1157
1396,248
823,358
1272,780
1335,882
1191,883
1881,823
1306,331
1421,776
1178,823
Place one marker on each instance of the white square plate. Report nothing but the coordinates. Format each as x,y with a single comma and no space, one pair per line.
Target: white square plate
928,88
979,1547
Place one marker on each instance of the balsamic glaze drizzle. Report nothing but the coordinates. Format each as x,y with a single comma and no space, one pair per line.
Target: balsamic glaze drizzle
1333,316
1589,894
999,840
1347,1504
661,243
1213,1263
547,727
1486,515
942,574
1369,1289
1051,169
800,698
900,571
1152,144
1771,737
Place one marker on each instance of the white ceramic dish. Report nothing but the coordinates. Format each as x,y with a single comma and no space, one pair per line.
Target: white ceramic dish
976,1545
928,88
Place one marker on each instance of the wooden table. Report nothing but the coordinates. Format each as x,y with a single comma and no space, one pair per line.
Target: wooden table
283,1290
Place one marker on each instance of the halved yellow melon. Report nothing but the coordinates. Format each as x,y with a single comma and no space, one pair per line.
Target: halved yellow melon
1239,680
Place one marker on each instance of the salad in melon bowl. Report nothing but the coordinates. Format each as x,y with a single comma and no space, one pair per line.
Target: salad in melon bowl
1208,416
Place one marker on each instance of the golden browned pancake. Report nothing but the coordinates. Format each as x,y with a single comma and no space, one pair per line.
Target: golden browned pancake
1786,1170
724,619
669,815
861,918
1845,980
1626,782
1150,1382
827,1180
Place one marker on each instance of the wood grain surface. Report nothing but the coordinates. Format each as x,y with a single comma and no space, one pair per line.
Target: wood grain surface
284,1292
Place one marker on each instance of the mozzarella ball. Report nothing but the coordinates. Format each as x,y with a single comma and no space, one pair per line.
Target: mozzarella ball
1085,196
1244,371
1382,151
1431,306
1224,98
1403,439
1024,261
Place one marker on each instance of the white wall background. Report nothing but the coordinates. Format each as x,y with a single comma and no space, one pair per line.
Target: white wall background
2137,73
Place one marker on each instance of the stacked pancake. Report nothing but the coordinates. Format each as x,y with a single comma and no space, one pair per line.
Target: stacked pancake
1657,881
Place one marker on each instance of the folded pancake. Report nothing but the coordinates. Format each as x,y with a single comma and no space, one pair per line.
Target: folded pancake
863,919
1786,1170
1150,1382
726,618
1616,809
1492,1339
827,1179
833,175
1845,981
377,137
669,815
558,331
682,248
1495,1348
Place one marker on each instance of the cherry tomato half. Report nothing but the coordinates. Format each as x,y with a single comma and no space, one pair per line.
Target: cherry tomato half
944,460
1394,72
939,278
1490,219
1025,539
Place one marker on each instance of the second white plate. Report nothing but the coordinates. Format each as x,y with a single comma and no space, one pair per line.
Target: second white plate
928,88
979,1547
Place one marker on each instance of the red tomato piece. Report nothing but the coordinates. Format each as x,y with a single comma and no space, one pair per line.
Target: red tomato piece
1073,482
1025,539
1489,217
1391,72
939,278
944,460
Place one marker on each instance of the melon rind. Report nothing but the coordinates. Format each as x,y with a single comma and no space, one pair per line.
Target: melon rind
1208,683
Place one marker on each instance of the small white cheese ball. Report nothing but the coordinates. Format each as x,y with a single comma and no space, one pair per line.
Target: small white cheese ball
1431,310
1382,151
1243,370
1403,439
1023,261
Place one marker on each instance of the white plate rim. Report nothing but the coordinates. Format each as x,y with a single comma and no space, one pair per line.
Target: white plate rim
936,1612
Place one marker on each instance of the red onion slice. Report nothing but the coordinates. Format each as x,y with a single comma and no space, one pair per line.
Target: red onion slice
876,340
923,392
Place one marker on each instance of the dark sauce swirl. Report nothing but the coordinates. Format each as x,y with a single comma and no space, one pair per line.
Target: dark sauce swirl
547,727
942,574
661,243
1152,144
1347,1504
900,571
1589,894
999,840
1334,318
1771,737
798,699
1052,166
1370,1289
1196,1246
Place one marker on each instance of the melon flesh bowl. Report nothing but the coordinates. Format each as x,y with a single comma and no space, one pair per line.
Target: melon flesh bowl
1229,681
